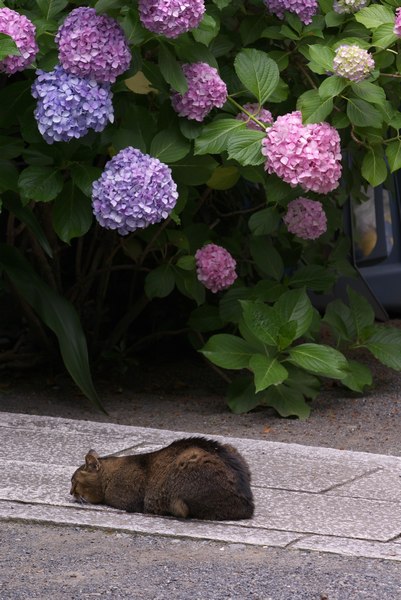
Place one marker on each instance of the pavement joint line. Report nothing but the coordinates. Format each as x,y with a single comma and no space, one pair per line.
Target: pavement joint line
335,519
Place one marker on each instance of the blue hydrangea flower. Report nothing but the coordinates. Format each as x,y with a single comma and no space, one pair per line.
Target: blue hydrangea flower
68,106
135,190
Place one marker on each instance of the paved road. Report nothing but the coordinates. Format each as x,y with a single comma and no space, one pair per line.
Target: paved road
327,524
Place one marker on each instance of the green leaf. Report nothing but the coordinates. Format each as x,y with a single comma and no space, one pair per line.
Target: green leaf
305,383
338,316
262,321
215,136
258,72
160,282
83,176
384,36
322,56
102,6
194,170
319,359
374,168
51,8
241,396
25,215
287,401
264,221
169,146
362,313
40,183
7,46
313,277
313,108
374,16
332,86
228,351
205,318
385,345
188,284
295,306
171,70
358,378
186,262
223,178
207,30
393,154
246,147
267,259
72,213
10,147
57,313
369,92
267,371
363,114
8,176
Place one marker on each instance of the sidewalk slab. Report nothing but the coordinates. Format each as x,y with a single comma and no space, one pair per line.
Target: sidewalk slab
306,498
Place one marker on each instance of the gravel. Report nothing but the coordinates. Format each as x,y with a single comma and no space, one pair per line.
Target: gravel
71,562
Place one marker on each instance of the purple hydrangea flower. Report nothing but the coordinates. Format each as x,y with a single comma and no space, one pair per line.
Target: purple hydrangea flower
206,90
261,114
215,267
22,31
171,17
68,106
305,9
352,62
397,22
92,45
349,6
305,155
135,190
305,218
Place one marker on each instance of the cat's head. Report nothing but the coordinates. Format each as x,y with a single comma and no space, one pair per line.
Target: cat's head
86,483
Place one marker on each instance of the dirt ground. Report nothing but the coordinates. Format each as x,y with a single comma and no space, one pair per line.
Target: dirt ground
181,392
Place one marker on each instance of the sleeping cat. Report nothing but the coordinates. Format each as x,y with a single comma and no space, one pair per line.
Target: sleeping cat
193,477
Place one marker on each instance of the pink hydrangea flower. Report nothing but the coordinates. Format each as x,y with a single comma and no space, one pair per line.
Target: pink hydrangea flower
215,267
397,22
171,17
305,155
262,114
22,31
92,45
206,90
305,9
353,63
305,218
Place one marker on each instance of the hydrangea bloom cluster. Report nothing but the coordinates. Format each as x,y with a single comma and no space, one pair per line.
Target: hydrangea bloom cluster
206,90
305,9
215,267
262,114
171,17
352,62
92,45
68,106
349,6
135,190
305,218
305,155
397,23
22,31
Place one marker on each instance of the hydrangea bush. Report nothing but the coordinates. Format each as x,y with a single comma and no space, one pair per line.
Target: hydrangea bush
171,164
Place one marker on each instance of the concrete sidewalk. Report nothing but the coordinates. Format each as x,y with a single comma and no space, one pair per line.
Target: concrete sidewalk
306,498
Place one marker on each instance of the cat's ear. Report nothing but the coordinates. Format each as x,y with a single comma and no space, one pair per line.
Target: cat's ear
92,461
